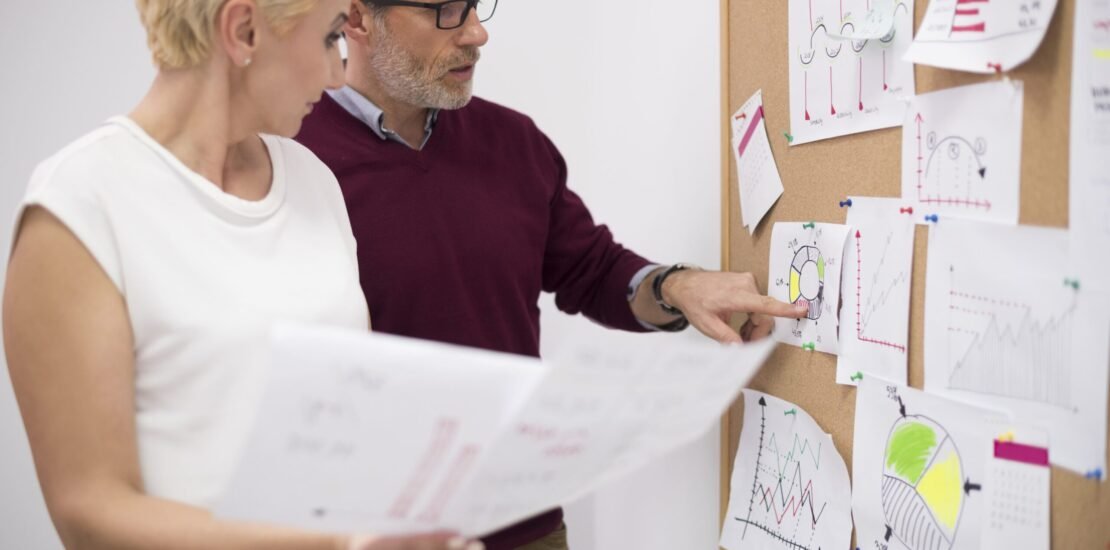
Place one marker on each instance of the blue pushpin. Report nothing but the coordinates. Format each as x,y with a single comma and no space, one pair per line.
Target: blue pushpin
932,218
1094,474
847,203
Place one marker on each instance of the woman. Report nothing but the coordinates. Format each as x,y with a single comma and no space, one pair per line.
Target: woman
151,258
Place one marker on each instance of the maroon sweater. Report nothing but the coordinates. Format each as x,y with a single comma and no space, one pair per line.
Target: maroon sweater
456,241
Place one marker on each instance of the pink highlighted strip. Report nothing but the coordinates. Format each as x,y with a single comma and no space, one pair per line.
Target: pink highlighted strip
751,129
1008,450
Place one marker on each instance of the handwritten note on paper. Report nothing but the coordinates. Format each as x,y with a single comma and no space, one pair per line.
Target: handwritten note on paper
846,86
757,174
980,37
434,436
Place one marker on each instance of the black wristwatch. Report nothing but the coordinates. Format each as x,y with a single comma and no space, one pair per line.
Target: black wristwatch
657,292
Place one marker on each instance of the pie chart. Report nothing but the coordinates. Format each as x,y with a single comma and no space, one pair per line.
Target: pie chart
922,490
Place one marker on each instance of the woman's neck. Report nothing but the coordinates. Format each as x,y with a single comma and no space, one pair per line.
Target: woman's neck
189,112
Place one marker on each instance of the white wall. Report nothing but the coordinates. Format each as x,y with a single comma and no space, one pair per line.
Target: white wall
628,91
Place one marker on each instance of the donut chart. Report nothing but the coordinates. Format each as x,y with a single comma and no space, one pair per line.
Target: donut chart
807,280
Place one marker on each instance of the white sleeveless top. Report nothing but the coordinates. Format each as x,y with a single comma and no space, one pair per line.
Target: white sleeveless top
205,275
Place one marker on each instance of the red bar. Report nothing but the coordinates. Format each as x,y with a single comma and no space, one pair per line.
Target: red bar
1008,450
967,11
970,28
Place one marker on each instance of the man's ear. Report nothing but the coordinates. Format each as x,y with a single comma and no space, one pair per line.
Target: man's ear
358,19
237,29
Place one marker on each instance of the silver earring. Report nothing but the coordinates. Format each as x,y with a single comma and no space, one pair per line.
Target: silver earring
247,62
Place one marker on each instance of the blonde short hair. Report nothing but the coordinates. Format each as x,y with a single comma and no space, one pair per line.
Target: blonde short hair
179,32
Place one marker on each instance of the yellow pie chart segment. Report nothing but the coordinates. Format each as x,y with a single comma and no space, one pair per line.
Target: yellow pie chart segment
941,488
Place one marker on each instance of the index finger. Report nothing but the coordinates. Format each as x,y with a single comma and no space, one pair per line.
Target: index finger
770,306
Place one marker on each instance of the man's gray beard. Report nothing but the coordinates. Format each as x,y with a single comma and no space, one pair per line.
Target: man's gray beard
404,78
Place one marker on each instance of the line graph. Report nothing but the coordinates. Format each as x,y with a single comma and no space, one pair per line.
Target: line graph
875,301
1003,347
784,508
954,177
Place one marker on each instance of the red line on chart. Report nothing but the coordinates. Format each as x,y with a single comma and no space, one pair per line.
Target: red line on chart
950,201
861,84
859,326
806,85
884,71
993,301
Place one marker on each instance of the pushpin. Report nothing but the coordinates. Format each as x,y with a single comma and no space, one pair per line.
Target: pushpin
1094,474
791,411
1073,283
1008,437
932,218
857,376
996,66
809,225
789,138
847,203
809,346
906,210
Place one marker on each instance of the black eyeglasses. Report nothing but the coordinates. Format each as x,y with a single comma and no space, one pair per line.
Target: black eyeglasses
451,14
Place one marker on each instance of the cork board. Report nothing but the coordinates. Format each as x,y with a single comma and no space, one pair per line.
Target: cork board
818,175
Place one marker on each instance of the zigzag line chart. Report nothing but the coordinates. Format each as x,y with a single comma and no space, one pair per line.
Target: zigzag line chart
784,508
958,173
1015,353
878,301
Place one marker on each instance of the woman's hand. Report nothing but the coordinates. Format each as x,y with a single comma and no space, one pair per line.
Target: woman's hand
432,541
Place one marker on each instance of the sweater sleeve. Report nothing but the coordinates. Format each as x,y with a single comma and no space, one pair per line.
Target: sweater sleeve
588,271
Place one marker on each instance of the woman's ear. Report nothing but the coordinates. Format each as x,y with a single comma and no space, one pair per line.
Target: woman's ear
237,29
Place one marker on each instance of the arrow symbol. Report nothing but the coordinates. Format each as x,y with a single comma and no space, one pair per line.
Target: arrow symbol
901,407
969,487
762,402
983,172
889,532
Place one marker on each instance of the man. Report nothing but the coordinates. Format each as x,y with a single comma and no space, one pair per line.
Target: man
462,214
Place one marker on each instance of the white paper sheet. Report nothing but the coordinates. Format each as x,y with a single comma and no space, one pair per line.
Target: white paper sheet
876,23
961,152
362,432
878,266
1004,328
838,86
805,269
758,175
918,468
1018,474
1089,167
788,482
981,36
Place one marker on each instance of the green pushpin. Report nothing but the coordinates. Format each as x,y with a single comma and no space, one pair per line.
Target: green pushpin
809,346
791,411
789,138
857,376
809,225
1073,283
